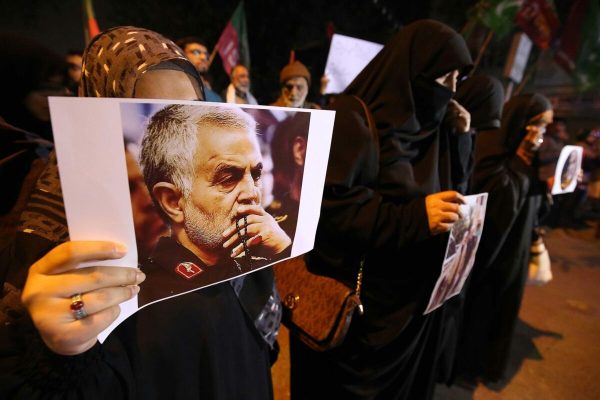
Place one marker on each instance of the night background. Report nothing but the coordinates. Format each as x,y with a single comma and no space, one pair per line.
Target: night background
557,354
277,26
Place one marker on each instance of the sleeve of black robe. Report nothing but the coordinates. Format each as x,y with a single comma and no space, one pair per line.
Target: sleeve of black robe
506,178
29,370
354,215
461,150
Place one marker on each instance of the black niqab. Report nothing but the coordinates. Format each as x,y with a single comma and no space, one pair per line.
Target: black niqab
399,88
394,83
483,97
374,203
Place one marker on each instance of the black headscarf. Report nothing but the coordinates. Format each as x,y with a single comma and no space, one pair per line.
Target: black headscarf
494,145
408,106
483,97
401,77
517,113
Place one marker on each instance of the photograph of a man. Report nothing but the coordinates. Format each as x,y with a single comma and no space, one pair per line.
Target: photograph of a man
202,166
460,252
568,170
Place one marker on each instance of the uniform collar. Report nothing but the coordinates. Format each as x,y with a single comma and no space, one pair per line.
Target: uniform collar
168,249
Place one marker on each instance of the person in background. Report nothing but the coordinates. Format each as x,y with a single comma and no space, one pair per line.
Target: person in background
294,79
506,168
386,200
564,208
483,97
148,225
238,91
589,139
29,73
213,343
288,150
74,60
196,51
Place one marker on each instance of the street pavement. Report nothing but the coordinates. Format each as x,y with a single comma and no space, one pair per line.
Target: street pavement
556,348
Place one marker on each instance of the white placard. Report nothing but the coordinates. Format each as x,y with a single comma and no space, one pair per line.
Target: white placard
516,62
460,251
347,57
91,136
567,169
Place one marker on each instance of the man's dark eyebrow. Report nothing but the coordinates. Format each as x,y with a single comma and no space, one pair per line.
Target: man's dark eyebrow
225,168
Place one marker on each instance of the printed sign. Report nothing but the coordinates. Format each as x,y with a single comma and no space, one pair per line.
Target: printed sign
197,191
460,252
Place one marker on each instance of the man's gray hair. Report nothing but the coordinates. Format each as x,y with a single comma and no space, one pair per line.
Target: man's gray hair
171,139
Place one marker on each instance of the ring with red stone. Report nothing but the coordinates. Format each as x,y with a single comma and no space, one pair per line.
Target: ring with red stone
77,306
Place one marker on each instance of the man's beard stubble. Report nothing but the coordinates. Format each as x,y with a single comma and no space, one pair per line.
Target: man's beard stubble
202,229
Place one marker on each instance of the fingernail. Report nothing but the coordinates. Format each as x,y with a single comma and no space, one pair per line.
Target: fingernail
120,248
135,290
140,276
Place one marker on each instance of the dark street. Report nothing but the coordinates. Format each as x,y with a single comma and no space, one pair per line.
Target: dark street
556,349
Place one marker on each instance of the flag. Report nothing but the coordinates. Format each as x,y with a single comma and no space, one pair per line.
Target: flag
538,19
233,43
496,15
90,25
578,50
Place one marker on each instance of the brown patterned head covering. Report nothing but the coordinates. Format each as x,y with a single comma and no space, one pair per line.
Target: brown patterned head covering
118,57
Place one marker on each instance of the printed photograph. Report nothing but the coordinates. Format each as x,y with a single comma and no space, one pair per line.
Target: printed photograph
567,169
198,193
215,191
460,252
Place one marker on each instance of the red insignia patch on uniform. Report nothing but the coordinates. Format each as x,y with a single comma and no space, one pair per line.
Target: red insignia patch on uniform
188,270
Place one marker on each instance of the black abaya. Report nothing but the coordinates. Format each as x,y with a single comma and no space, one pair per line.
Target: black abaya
482,96
498,278
374,204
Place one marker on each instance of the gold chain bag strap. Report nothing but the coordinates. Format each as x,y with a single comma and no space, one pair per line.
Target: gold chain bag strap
318,309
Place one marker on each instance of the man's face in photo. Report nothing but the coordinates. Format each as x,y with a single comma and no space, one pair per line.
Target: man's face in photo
227,168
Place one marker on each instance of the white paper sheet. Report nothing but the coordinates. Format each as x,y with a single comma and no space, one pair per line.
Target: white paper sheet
347,57
567,169
460,251
89,135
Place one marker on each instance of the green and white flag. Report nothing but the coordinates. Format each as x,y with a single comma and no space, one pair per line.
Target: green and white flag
233,43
